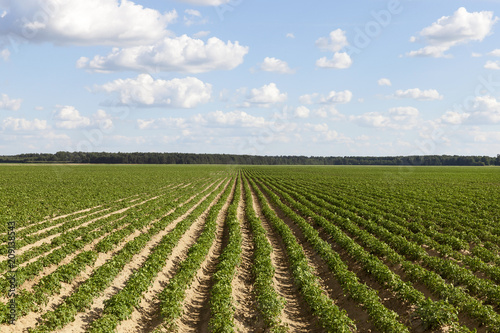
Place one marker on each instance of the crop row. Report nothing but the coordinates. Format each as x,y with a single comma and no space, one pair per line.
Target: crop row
484,314
102,277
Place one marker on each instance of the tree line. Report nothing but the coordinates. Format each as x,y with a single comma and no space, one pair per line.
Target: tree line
187,158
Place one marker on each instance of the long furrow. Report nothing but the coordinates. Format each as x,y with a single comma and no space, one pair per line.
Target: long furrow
95,310
296,314
146,317
246,315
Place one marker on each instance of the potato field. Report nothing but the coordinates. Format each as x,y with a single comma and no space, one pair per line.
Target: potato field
198,248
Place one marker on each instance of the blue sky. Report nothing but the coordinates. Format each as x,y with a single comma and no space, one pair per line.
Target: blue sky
329,78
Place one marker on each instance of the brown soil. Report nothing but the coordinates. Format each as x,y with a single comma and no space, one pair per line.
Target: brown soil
297,314
145,318
196,310
246,315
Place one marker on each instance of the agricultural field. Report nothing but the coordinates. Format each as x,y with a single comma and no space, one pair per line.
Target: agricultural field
170,248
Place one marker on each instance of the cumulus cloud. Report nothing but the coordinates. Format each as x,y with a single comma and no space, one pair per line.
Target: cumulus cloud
335,41
492,65
179,54
336,97
206,2
68,117
102,119
384,82
340,60
333,97
84,22
146,91
454,118
398,118
322,133
265,96
460,28
193,16
8,103
421,95
275,65
290,35
21,124
495,53
161,123
201,34
217,119
5,54
484,110
308,98
302,112
235,118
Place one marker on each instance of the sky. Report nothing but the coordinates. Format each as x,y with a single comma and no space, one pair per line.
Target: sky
315,78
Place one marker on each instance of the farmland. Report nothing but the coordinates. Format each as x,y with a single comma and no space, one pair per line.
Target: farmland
159,248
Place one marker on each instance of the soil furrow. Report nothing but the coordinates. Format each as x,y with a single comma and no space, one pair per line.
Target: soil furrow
296,314
327,279
246,315
49,238
82,320
145,318
67,289
196,309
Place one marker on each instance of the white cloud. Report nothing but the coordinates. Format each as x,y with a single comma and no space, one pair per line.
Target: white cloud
398,118
495,53
327,110
193,16
21,124
333,97
454,118
302,112
290,35
206,2
403,113
145,90
179,54
335,41
216,119
340,60
102,120
371,119
266,95
384,82
161,123
460,28
322,133
68,117
10,104
275,65
84,22
308,98
5,54
201,34
235,118
193,12
416,93
476,55
485,110
492,65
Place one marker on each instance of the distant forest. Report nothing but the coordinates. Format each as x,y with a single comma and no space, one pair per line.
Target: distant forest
182,158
